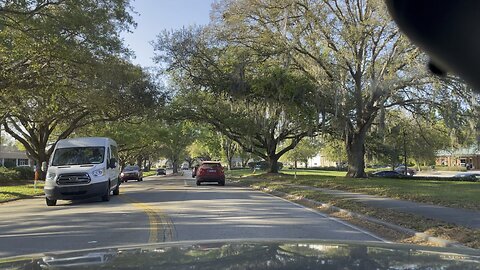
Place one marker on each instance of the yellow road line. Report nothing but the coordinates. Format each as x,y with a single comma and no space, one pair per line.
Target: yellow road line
160,224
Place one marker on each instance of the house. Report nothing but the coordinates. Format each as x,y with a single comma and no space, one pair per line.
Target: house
462,157
321,161
317,161
11,157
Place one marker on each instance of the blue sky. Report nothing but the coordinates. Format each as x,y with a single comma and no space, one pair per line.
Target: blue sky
156,15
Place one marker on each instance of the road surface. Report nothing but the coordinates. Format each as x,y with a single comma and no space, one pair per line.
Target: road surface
162,209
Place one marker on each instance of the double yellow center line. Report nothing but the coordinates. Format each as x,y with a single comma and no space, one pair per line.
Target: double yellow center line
161,226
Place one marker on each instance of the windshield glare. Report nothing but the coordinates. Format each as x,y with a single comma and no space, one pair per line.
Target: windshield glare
78,156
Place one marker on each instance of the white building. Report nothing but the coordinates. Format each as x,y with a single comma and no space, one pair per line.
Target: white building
10,157
318,161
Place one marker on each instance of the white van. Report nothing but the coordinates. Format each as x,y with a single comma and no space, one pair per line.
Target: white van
81,168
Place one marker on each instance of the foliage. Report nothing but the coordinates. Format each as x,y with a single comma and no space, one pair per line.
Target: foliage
16,173
7,174
25,173
248,97
174,142
334,149
352,50
400,132
64,67
307,148
206,145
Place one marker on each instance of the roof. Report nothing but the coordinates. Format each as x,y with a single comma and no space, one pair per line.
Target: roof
12,152
85,142
467,151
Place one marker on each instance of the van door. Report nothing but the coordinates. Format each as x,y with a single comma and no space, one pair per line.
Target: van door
109,171
116,170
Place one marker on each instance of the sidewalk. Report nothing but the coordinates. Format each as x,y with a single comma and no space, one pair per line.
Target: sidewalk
463,217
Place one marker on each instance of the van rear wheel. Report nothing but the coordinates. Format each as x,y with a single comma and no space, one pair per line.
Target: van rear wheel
50,202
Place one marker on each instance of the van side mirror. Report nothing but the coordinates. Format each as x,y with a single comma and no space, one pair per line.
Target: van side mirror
112,163
44,166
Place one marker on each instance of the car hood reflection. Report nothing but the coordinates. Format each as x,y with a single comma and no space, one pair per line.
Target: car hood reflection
256,255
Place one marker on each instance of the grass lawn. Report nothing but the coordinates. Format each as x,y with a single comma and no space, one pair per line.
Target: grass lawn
149,173
19,190
446,193
241,173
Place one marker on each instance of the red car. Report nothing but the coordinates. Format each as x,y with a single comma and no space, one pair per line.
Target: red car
210,171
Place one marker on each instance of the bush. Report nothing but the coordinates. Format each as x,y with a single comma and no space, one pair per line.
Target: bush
26,173
7,174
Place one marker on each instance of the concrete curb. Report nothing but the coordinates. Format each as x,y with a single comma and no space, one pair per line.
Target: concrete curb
421,236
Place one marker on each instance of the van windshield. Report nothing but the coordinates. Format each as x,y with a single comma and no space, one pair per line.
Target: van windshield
78,156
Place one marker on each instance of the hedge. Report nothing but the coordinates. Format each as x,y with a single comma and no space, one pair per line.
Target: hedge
16,173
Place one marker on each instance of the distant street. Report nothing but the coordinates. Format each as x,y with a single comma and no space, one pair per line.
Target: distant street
162,209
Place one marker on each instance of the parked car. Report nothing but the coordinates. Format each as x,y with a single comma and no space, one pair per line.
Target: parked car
468,176
387,174
81,168
184,167
210,171
131,172
161,171
401,170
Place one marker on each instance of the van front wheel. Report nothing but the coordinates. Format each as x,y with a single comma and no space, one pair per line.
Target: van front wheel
116,191
50,202
106,197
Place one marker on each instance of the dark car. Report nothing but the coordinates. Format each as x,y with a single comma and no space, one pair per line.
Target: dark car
161,171
387,174
468,176
131,172
401,170
210,171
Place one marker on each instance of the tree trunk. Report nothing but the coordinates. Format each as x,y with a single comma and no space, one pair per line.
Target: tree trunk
272,161
229,163
306,164
175,166
245,162
356,154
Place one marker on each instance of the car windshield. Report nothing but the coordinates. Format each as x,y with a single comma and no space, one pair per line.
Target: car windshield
131,168
78,156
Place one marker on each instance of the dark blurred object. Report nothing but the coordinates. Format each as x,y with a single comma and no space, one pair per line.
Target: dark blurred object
161,171
447,30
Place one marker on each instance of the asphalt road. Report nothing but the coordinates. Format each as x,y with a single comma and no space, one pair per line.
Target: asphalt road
162,209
